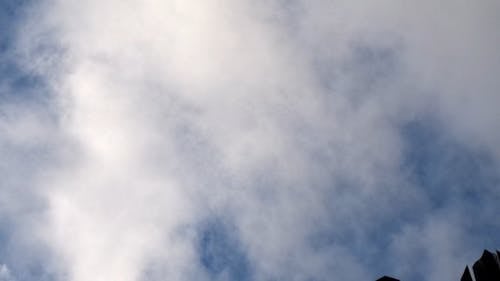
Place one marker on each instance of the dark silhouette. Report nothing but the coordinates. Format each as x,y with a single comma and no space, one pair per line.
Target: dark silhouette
387,278
486,268
466,276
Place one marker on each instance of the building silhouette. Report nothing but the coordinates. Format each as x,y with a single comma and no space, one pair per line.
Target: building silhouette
387,278
486,268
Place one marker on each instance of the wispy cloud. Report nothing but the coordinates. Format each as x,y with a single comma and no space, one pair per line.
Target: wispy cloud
5,273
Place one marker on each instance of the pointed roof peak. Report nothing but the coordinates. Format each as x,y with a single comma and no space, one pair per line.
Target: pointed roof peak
487,253
466,276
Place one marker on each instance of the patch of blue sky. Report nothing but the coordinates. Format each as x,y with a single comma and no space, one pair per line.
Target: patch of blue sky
16,82
221,253
25,261
451,179
456,178
445,168
364,72
9,10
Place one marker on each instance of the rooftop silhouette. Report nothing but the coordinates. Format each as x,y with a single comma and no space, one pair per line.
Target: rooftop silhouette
387,278
486,268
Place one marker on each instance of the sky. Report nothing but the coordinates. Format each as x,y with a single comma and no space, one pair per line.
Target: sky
252,140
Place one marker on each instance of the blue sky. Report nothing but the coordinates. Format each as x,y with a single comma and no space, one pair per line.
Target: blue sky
247,140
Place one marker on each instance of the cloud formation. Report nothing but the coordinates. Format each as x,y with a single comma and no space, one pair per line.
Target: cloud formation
251,140
5,273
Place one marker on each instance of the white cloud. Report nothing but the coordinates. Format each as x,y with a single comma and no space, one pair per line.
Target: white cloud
169,110
5,273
